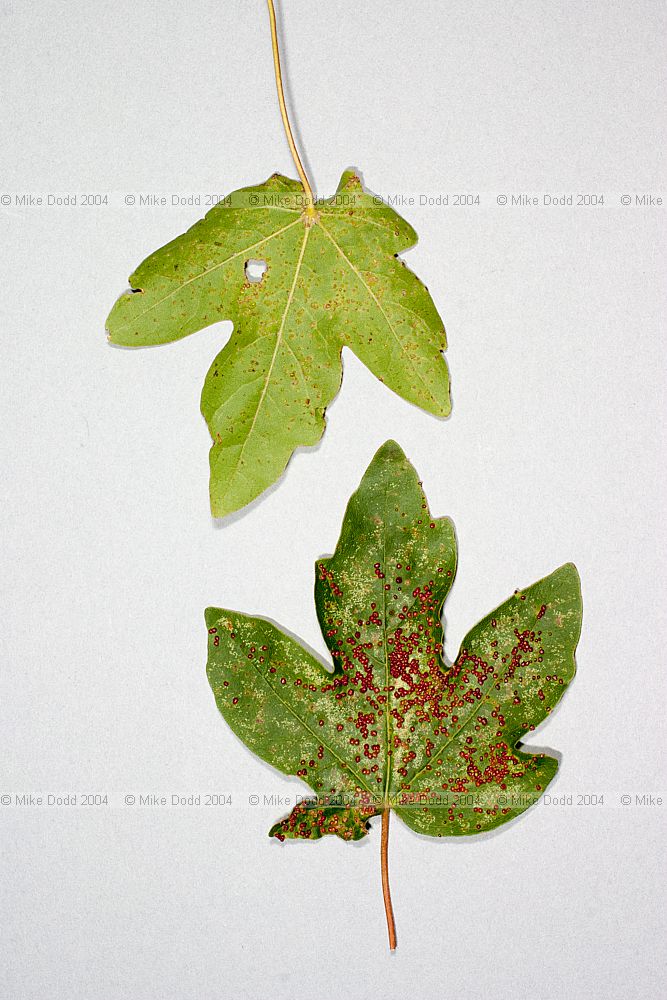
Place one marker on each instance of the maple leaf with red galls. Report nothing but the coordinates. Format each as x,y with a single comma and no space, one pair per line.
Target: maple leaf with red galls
392,726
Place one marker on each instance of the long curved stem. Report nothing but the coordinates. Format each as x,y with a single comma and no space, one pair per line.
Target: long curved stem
310,197
384,865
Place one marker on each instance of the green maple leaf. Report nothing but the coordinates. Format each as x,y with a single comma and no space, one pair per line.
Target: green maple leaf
332,280
392,726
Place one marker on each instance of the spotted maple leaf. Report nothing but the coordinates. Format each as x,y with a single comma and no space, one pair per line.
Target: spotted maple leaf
392,726
298,287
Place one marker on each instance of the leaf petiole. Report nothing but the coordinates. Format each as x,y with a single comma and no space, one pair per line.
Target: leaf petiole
310,197
384,865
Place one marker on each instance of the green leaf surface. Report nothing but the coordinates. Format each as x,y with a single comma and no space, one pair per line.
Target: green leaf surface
329,283
391,725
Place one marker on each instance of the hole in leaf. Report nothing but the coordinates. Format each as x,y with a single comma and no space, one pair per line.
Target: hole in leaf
255,270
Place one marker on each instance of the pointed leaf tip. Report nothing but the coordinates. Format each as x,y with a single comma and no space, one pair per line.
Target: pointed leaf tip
350,181
390,451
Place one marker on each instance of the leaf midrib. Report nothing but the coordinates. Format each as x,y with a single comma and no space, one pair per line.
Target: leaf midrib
384,315
317,736
486,688
389,729
450,739
279,337
202,274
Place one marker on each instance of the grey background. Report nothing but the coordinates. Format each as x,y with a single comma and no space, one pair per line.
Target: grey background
554,452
